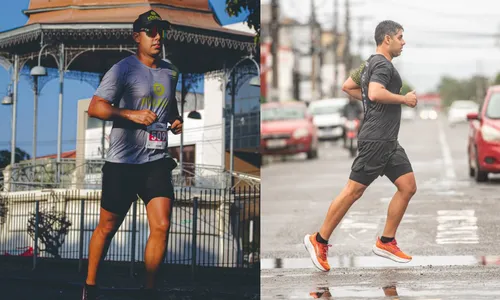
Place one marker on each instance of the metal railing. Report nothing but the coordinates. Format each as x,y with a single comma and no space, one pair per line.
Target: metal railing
26,176
209,227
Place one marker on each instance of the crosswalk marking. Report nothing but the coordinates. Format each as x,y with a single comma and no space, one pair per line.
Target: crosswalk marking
457,227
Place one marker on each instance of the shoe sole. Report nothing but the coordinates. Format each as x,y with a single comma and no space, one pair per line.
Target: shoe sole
389,255
312,253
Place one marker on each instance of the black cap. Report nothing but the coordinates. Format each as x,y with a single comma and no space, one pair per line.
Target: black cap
149,19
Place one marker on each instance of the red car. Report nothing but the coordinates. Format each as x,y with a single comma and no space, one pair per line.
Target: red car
287,128
484,137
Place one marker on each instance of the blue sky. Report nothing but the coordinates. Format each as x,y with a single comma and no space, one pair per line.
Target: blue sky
11,16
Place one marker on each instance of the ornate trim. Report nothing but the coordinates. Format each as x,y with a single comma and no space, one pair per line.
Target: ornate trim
74,32
22,38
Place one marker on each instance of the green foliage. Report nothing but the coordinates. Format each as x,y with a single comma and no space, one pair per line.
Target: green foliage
406,88
236,7
451,89
5,157
497,79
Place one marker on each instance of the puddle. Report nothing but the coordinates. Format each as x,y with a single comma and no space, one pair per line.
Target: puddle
386,292
379,262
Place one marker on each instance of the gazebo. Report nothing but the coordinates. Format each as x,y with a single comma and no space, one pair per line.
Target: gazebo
86,37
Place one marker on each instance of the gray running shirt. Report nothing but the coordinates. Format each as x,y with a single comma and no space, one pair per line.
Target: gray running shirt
382,121
130,84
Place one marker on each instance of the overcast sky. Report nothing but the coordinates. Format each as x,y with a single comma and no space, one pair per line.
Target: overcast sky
459,38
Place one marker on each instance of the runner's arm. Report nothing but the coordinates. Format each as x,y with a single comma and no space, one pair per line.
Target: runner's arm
173,112
378,93
352,86
352,89
102,109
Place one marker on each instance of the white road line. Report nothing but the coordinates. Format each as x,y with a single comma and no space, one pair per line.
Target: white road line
457,227
445,149
366,262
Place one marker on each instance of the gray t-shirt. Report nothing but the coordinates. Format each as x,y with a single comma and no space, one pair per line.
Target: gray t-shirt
130,84
382,121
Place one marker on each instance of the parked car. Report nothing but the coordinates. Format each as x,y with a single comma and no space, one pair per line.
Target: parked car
484,137
287,128
327,117
457,113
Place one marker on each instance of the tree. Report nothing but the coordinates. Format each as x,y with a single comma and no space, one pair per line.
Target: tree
19,156
406,88
451,89
236,7
52,230
497,79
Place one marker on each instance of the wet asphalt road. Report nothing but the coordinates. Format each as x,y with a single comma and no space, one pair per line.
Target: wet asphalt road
451,226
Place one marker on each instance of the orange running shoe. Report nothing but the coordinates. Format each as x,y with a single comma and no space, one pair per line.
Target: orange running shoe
323,293
391,251
318,252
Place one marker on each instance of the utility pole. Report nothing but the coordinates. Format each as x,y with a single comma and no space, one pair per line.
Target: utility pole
335,45
296,74
347,51
360,41
478,82
314,76
274,47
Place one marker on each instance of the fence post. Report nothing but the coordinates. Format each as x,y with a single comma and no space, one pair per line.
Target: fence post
134,232
37,222
82,224
194,236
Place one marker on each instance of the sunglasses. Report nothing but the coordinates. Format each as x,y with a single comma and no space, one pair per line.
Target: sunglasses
154,30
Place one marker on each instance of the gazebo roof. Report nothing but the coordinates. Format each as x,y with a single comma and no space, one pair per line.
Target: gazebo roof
194,13
197,42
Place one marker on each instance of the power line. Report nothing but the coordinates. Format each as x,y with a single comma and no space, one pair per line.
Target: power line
441,13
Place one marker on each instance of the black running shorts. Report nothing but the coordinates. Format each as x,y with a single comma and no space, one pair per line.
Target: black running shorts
123,183
378,158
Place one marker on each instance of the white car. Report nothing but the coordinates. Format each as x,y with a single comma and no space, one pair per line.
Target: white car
457,113
408,113
428,113
327,117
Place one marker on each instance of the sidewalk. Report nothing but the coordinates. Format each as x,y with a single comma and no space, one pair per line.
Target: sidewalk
61,280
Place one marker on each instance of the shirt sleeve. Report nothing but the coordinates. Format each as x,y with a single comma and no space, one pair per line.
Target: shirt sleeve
381,73
111,86
356,74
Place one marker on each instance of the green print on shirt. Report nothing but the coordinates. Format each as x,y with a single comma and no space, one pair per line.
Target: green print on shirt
158,101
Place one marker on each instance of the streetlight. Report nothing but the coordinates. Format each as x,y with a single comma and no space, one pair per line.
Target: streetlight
36,72
194,114
7,100
255,81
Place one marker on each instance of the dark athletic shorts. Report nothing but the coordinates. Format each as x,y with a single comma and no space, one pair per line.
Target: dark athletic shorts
378,158
123,183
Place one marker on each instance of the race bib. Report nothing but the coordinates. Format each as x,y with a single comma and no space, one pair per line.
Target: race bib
157,136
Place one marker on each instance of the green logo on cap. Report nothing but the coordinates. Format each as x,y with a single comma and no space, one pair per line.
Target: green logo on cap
153,17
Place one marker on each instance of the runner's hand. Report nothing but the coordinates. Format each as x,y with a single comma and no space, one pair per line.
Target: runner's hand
411,99
144,117
177,127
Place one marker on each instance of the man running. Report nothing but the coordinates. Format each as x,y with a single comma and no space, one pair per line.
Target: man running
379,151
138,95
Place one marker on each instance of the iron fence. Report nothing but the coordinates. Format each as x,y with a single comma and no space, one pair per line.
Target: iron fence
209,227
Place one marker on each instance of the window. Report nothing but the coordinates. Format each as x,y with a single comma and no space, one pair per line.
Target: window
283,113
493,109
